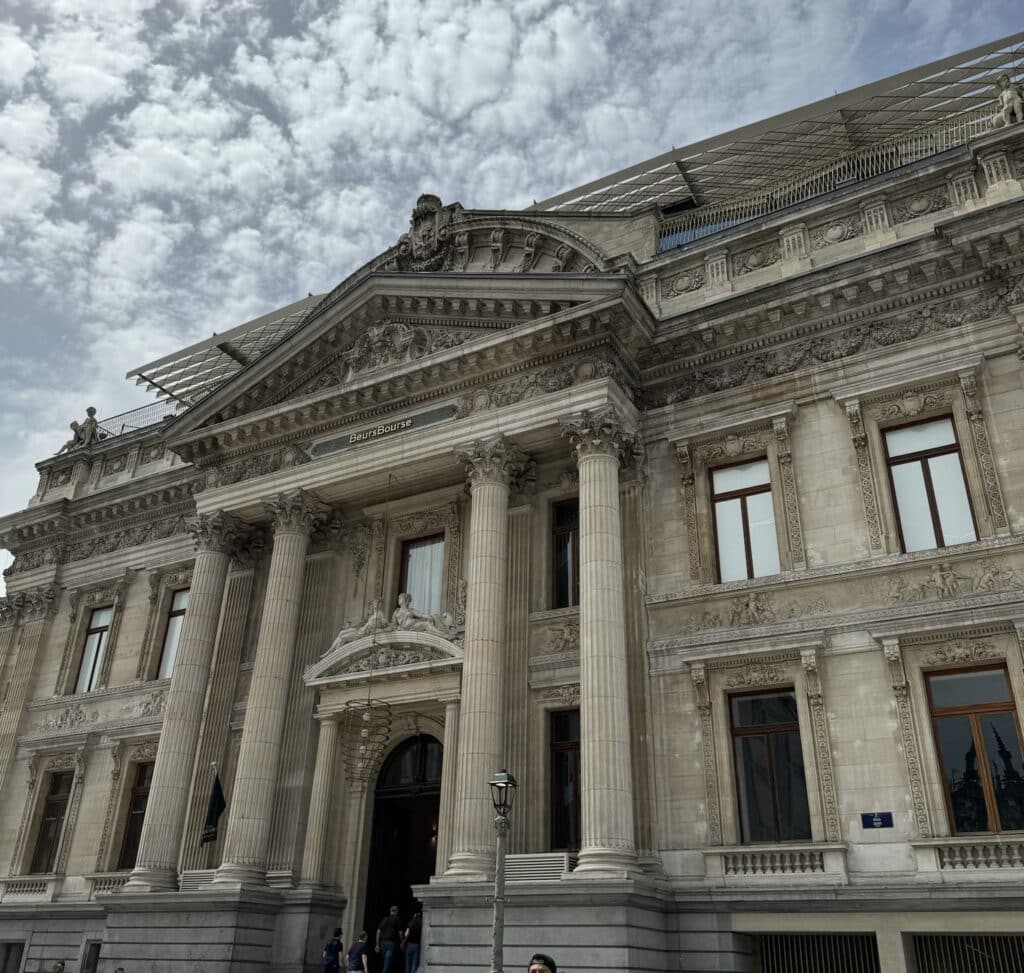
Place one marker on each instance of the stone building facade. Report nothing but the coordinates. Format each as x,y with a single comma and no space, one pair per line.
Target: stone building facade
715,539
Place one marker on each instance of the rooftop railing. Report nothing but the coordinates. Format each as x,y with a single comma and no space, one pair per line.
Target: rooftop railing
874,160
141,418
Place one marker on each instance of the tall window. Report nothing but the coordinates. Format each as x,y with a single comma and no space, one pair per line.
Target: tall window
175,619
565,548
10,957
136,814
928,483
979,742
423,572
745,536
93,650
769,767
565,780
52,823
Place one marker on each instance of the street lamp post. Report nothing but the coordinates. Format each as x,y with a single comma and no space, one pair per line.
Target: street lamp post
503,795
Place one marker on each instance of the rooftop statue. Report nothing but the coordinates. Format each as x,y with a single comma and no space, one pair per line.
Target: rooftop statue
1011,103
85,433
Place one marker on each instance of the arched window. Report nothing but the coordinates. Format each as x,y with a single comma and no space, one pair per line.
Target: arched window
414,767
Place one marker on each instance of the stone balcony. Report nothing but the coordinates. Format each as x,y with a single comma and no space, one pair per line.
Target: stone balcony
788,864
981,857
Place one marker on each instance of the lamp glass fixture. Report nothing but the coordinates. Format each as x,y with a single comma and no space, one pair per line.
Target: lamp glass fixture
503,792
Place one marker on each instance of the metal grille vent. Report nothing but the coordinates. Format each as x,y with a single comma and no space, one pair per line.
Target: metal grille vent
804,953
969,954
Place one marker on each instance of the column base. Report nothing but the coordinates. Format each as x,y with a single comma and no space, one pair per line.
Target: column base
231,875
468,866
607,862
145,879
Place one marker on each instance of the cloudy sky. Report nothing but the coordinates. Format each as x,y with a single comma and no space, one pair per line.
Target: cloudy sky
170,169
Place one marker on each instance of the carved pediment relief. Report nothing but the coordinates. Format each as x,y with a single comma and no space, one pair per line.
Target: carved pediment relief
384,652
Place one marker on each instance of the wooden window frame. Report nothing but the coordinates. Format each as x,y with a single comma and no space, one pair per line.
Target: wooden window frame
740,495
574,593
921,456
972,711
49,799
764,730
134,791
562,747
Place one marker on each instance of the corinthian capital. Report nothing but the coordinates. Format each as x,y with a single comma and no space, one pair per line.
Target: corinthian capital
493,460
600,432
297,511
34,603
216,532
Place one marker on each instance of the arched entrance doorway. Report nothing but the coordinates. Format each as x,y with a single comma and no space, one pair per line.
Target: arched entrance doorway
404,838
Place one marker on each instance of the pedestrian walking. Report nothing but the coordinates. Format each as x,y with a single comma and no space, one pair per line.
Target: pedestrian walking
542,963
388,934
358,961
411,939
333,949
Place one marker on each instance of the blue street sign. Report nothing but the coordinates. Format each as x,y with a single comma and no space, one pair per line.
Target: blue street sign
876,819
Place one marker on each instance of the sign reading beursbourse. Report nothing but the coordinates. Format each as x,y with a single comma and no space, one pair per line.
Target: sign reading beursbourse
382,430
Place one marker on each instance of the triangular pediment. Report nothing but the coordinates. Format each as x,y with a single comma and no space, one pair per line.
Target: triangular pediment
384,653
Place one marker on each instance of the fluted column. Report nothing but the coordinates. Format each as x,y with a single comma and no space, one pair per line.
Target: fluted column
607,844
448,783
156,867
491,465
324,795
293,515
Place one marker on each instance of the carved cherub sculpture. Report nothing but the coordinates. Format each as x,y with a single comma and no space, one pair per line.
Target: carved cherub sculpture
1011,103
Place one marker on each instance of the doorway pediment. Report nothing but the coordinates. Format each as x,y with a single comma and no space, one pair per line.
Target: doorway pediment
384,654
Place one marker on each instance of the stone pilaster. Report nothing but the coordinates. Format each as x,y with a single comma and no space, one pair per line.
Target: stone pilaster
156,867
491,464
294,515
325,796
445,815
23,617
608,845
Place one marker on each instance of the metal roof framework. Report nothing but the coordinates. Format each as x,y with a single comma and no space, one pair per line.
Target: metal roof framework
190,374
746,160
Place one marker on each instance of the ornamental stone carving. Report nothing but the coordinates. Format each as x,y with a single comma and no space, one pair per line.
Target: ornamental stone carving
531,251
983,450
296,511
756,674
499,247
598,432
409,619
216,532
427,245
822,745
709,759
568,695
85,433
29,605
961,652
72,718
564,636
375,621
943,581
260,464
495,460
864,474
391,657
1010,103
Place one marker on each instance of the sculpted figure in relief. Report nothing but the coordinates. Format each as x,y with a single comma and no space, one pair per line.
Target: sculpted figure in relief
1011,103
375,621
408,619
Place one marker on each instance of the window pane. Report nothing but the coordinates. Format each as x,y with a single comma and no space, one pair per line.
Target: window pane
764,543
788,764
424,573
564,564
962,776
732,555
565,726
754,778
566,514
51,823
1003,751
170,650
912,507
180,600
565,766
927,435
100,618
965,688
761,710
740,477
92,660
951,498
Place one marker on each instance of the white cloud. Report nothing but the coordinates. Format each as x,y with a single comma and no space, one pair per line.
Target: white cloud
17,58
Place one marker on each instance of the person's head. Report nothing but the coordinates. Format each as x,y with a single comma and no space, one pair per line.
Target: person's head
394,910
337,931
120,969
58,967
542,963
362,936
405,599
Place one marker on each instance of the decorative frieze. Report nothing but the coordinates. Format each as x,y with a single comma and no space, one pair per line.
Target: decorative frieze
963,651
568,695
